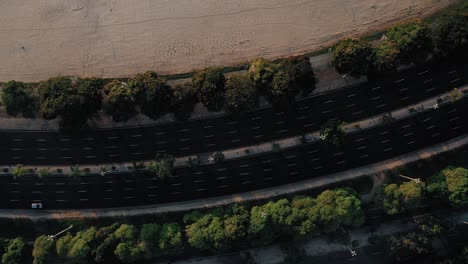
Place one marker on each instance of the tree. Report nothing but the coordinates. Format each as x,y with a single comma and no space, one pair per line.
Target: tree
184,101
127,252
261,72
126,233
336,208
42,252
14,253
386,55
352,56
17,98
19,171
162,167
300,72
282,86
412,194
457,185
333,132
240,94
409,244
120,101
236,223
209,85
207,233
392,200
74,102
268,222
437,187
171,238
413,39
451,35
299,217
152,93
149,237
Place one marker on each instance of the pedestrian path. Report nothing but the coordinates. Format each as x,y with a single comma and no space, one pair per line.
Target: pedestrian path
262,194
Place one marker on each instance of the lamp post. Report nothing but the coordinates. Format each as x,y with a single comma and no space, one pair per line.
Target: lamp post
417,180
51,237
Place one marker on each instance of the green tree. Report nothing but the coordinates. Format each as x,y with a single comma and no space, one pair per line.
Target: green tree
457,185
209,85
14,253
17,98
268,222
74,102
240,94
171,238
152,93
127,233
163,167
261,72
413,39
236,223
207,233
409,244
392,199
299,219
282,86
337,208
19,171
451,35
352,56
149,237
43,249
412,194
120,101
184,101
437,187
333,132
300,72
128,253
386,55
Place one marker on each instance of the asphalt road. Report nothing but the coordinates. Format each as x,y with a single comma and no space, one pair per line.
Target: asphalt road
243,174
230,131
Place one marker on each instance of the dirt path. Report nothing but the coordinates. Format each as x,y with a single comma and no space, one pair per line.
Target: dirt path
111,38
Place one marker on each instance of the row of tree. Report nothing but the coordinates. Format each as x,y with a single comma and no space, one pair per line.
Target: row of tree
403,43
216,230
449,185
75,101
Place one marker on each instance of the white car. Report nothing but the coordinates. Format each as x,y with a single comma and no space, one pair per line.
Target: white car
36,205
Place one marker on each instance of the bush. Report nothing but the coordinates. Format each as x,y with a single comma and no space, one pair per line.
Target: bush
120,101
162,167
17,98
240,94
413,39
152,93
209,86
184,101
333,132
352,56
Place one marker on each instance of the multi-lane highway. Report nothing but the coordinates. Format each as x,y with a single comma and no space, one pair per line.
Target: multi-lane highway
229,131
311,160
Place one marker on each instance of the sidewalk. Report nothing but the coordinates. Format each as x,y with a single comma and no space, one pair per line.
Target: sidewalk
327,79
206,158
269,193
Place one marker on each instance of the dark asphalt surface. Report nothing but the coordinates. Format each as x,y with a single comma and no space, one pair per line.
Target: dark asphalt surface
230,131
239,175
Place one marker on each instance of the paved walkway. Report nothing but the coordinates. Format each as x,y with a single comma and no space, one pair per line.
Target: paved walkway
268,193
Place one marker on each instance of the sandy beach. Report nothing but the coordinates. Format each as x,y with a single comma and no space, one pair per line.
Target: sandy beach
117,38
